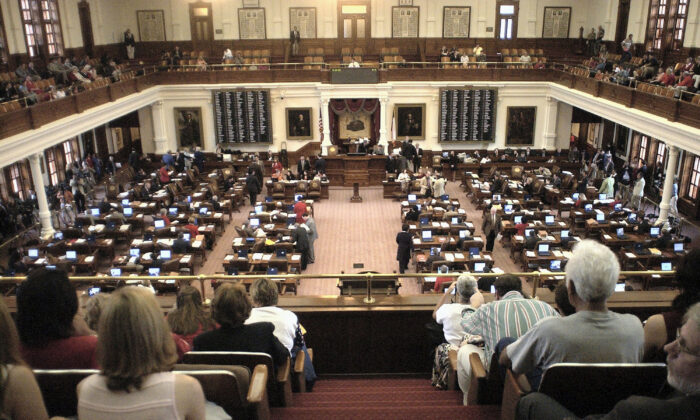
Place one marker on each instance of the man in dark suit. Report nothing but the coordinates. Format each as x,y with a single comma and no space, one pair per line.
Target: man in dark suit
320,165
294,38
300,237
253,186
491,227
180,245
257,169
531,240
405,242
302,166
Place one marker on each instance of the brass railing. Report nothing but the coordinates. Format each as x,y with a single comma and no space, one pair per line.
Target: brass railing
369,277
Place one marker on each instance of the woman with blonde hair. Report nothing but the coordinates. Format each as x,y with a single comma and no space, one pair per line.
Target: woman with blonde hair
137,354
20,397
188,319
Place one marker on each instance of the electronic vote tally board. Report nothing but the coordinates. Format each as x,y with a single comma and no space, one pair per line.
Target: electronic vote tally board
242,116
467,114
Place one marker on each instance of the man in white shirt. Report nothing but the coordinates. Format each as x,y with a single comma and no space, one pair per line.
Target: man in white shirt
465,298
638,191
354,64
287,329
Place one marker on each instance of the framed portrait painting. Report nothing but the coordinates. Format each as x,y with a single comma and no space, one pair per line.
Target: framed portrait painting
188,127
410,121
299,123
520,125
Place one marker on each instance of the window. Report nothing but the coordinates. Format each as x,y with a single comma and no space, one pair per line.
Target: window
694,179
660,155
53,166
3,186
17,180
3,43
666,24
42,27
507,19
69,151
643,147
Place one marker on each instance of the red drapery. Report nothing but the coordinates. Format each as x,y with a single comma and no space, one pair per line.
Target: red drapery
340,106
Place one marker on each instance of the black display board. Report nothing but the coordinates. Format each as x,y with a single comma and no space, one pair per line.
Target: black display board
242,116
467,114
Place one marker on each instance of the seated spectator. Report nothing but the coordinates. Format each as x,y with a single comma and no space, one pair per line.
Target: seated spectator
683,367
592,335
180,245
510,315
659,329
21,396
450,315
665,78
539,64
89,72
525,58
228,55
188,319
230,308
439,281
479,53
201,64
137,354
648,68
685,83
354,64
444,52
561,297
287,329
52,336
76,77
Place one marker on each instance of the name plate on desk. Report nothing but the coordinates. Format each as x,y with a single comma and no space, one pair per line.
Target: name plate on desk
354,76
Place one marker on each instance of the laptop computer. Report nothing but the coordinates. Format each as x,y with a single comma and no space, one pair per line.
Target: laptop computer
508,208
600,218
441,271
72,255
549,219
473,251
434,251
424,220
232,271
621,233
574,196
91,239
33,253
172,211
249,240
678,247
125,202
186,236
517,219
154,271
588,207
496,197
479,267
632,217
620,287
134,252
602,196
254,222
58,236
291,220
666,266
639,249
618,207
95,212
203,211
529,232
564,234
166,254
128,211
298,197
272,270
543,250
427,235
281,253
258,209
115,272
555,265
147,237
268,199
243,253
418,207
463,234
654,231
159,223
445,197
455,221
411,198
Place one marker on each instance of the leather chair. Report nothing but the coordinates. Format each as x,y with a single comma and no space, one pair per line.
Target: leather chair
314,191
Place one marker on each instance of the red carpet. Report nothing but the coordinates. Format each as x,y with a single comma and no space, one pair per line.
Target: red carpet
381,399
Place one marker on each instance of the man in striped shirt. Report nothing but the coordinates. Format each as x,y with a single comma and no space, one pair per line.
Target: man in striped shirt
511,315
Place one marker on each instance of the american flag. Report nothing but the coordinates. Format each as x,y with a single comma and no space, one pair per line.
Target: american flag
320,121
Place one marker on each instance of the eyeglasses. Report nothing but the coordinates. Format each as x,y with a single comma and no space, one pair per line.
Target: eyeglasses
683,346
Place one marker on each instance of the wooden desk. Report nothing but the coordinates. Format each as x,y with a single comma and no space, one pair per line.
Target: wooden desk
365,170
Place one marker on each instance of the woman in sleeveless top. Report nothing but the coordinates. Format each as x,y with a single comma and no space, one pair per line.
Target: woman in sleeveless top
137,353
20,397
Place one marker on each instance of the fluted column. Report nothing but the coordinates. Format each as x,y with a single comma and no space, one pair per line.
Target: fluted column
160,138
326,127
44,212
383,141
668,183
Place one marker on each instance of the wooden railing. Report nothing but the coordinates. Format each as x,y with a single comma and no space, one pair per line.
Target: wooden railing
33,117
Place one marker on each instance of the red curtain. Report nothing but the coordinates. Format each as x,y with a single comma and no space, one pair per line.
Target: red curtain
340,106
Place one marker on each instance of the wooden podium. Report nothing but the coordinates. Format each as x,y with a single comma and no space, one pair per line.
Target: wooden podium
365,170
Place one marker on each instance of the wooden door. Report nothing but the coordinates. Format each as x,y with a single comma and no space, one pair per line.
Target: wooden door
354,21
201,27
86,27
623,14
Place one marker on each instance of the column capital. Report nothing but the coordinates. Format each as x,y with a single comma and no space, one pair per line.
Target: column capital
157,103
551,99
383,99
34,158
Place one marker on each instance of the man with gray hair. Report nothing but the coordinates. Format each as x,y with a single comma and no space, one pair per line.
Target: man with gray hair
682,403
593,334
465,298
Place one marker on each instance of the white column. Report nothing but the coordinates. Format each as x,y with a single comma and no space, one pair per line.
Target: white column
44,212
383,141
208,129
326,127
160,138
668,183
550,124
